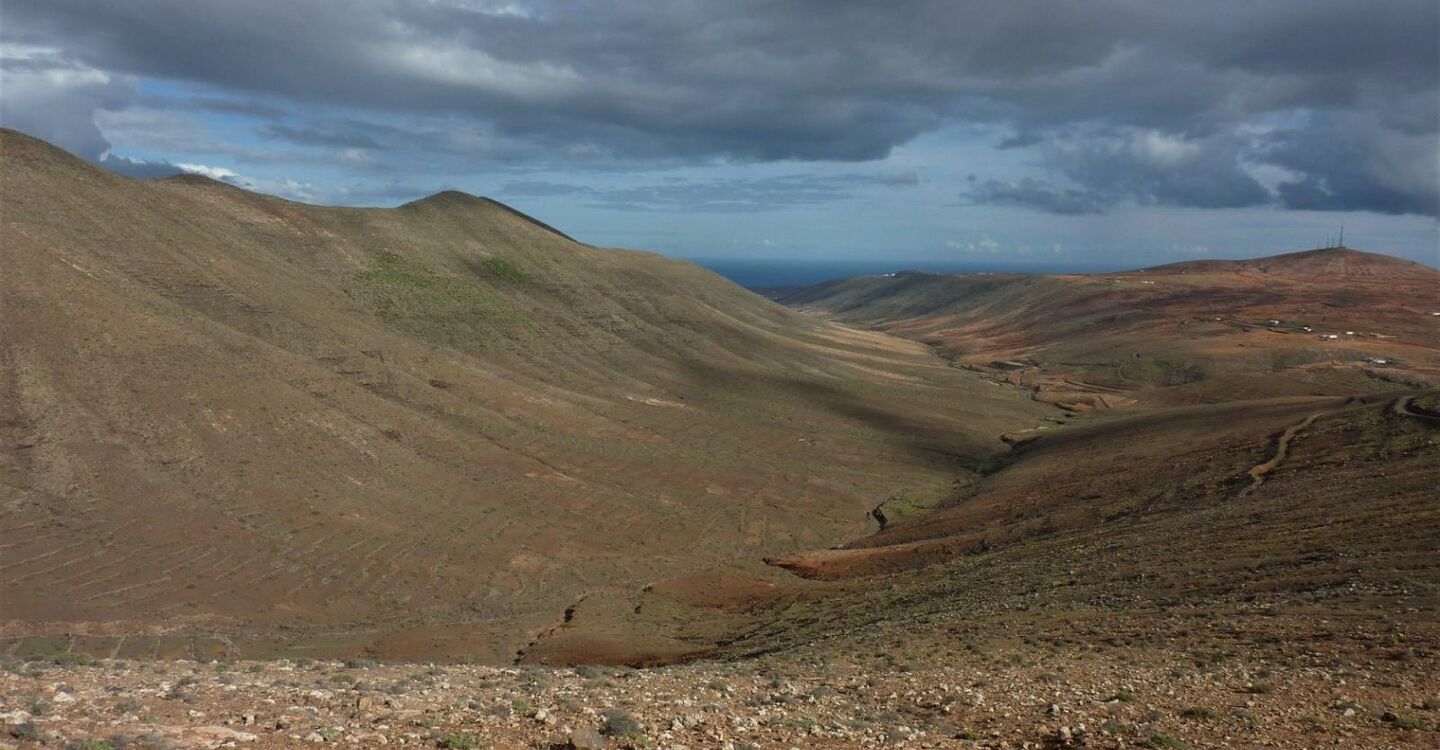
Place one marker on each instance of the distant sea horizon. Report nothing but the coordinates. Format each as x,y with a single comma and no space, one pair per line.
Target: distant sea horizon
768,273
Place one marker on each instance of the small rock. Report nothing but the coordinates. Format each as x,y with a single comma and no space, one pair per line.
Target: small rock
586,738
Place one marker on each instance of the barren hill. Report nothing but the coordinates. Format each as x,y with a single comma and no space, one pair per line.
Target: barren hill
423,430
1184,506
1330,321
1324,263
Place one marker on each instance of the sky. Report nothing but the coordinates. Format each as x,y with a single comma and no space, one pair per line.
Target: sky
1105,133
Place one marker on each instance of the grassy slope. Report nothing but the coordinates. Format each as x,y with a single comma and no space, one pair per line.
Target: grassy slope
425,429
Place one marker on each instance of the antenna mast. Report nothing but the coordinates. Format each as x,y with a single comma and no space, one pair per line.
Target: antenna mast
1342,236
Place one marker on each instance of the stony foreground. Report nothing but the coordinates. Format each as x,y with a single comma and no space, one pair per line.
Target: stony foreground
1019,699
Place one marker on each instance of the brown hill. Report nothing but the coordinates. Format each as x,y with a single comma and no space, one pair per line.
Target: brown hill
1331,321
232,425
423,430
1330,263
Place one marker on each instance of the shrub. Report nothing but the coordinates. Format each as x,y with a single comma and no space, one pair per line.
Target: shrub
618,723
72,659
500,268
460,741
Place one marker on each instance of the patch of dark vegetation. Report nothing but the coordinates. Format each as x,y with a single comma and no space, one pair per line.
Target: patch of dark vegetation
619,723
503,269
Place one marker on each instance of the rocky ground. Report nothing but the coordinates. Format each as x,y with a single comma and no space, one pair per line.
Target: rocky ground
822,696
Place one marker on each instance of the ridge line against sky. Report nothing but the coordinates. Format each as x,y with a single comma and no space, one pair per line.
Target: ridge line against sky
1103,132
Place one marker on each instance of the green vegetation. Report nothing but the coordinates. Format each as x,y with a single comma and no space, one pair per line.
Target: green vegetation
1401,722
913,503
393,270
71,659
1200,713
1154,371
460,741
1164,742
621,724
440,307
502,269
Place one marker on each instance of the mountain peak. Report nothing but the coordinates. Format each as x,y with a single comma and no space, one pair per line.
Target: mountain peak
446,198
450,200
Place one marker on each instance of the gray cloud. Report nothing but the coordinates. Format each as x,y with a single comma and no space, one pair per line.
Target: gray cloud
840,80
1146,167
1340,164
717,195
316,136
50,93
1038,194
139,168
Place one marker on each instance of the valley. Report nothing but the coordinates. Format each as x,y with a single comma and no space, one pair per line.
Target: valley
284,474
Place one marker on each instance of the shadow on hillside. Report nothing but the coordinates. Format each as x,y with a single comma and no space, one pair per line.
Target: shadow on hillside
903,424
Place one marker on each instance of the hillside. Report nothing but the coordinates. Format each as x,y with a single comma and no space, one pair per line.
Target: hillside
1325,263
1139,509
1320,322
232,422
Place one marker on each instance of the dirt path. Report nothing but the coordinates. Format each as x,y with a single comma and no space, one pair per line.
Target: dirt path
1405,407
1259,471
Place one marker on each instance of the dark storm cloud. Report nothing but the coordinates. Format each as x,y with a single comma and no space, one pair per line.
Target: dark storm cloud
1343,164
1039,194
827,79
1141,166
